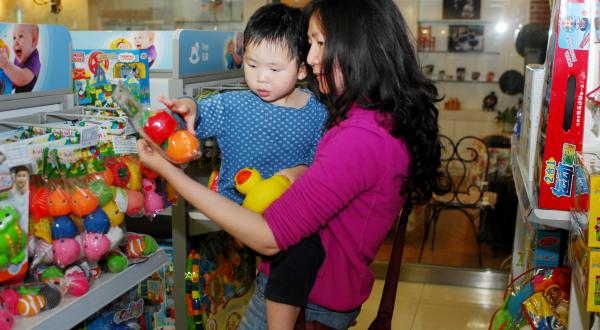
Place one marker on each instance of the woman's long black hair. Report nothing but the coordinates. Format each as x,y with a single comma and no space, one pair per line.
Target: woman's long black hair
371,43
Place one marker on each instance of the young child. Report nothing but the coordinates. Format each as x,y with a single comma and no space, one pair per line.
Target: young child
145,40
270,127
23,72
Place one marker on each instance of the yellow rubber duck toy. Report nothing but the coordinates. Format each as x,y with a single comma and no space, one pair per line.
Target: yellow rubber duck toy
259,193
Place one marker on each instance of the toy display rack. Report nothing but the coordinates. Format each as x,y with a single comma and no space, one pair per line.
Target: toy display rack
73,310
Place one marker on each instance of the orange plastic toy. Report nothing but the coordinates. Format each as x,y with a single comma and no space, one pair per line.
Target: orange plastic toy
83,202
182,146
59,203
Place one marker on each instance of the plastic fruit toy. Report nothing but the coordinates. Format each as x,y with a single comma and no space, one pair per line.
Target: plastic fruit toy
160,126
12,238
120,197
153,202
135,202
115,216
107,176
101,190
59,203
259,193
96,222
38,203
66,251
148,173
63,227
182,147
95,245
83,202
135,177
119,171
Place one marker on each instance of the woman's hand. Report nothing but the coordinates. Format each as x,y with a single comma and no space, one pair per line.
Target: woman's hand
152,159
293,173
185,107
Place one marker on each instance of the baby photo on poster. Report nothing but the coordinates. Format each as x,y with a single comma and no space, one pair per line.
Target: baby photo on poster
461,9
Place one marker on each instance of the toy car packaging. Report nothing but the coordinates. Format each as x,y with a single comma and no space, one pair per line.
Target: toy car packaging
165,130
563,103
96,73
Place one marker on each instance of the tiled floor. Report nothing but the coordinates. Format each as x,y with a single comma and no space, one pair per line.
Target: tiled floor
427,306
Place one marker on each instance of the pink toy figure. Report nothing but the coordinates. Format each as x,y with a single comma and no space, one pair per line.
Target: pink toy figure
115,236
135,202
66,251
6,320
95,245
78,282
9,299
153,203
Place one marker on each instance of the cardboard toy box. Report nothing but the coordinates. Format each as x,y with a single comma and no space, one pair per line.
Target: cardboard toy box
563,105
96,73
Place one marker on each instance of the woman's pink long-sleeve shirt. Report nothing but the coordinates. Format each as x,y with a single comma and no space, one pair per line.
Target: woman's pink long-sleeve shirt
351,195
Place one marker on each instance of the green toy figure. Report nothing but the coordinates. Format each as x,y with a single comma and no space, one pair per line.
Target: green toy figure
12,238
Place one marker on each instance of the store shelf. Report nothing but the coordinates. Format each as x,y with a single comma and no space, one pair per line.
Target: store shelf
198,223
467,115
528,201
456,53
108,287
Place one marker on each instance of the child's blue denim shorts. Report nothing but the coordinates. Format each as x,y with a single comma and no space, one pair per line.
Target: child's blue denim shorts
255,317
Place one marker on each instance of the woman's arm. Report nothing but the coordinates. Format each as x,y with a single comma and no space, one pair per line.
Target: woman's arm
247,226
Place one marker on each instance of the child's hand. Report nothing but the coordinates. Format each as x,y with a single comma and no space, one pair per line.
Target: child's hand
4,61
151,158
184,107
293,173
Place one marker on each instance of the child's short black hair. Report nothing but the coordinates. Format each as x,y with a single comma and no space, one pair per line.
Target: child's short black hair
278,24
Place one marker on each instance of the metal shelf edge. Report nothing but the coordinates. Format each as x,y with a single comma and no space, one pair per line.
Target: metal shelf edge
108,287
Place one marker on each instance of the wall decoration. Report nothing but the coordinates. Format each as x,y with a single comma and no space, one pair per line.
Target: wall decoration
465,38
461,9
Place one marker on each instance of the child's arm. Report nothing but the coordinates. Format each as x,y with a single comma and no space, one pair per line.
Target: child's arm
18,76
247,226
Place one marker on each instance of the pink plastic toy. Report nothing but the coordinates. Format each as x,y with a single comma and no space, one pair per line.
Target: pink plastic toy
153,203
78,282
135,202
6,320
9,299
95,245
66,251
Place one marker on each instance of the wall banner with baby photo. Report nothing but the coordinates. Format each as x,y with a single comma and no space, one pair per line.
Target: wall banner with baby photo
34,58
201,52
159,44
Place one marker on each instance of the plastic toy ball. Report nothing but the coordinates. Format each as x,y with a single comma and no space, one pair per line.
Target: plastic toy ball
30,305
83,202
95,245
259,193
182,146
101,190
6,320
63,227
66,251
160,126
115,216
96,222
135,202
59,203
117,263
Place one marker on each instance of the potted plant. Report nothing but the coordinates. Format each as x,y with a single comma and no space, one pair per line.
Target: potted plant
507,118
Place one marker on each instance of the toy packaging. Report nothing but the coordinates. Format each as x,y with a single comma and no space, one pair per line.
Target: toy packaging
532,105
547,251
593,289
96,73
563,104
165,130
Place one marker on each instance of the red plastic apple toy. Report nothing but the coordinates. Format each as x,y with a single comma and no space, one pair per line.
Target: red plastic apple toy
160,126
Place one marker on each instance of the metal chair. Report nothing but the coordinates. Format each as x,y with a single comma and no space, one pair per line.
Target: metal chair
465,167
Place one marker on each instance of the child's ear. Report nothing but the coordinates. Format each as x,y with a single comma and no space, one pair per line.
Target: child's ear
302,72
